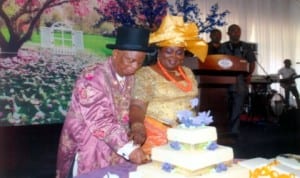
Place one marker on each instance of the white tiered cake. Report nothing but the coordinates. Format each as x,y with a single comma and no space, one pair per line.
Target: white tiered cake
192,151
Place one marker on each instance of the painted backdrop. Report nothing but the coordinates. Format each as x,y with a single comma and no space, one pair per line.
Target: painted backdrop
45,44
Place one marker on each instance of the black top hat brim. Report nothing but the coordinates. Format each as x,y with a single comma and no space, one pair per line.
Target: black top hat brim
130,47
132,39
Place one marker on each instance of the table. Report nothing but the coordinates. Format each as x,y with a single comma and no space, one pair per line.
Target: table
121,170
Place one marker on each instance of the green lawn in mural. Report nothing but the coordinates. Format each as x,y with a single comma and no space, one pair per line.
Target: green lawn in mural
95,44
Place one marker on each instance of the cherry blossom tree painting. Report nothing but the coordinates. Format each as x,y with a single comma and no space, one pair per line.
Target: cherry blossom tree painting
191,12
145,13
21,17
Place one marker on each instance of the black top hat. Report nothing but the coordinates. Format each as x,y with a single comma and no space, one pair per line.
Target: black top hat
130,38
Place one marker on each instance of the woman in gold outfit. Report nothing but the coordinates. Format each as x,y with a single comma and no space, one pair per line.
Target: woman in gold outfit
165,87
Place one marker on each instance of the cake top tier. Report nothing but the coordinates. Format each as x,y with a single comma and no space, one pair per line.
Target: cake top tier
192,135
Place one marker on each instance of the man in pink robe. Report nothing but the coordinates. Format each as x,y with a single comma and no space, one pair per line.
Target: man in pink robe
95,131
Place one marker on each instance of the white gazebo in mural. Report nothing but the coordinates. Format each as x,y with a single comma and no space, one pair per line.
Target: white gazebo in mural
61,39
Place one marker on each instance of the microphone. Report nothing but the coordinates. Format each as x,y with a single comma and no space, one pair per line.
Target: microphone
269,79
263,69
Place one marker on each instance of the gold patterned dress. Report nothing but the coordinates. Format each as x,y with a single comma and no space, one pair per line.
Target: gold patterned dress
164,100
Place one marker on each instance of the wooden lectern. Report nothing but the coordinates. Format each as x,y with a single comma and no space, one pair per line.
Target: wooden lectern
215,75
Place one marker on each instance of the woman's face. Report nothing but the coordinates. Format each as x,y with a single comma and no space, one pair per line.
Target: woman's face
171,57
127,62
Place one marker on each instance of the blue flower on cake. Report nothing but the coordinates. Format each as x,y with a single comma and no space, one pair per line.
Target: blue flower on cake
221,167
184,117
175,145
167,167
194,102
212,146
187,119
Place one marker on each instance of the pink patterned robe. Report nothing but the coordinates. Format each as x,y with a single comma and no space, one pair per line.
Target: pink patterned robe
96,124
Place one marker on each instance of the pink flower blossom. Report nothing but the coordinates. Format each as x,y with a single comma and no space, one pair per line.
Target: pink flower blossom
126,118
89,76
99,133
83,93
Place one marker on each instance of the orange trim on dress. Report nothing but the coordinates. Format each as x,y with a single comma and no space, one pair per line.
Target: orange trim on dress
156,134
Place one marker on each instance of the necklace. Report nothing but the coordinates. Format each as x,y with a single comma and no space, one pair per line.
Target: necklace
175,73
186,88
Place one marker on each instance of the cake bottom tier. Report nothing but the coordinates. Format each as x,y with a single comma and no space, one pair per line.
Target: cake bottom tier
152,170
